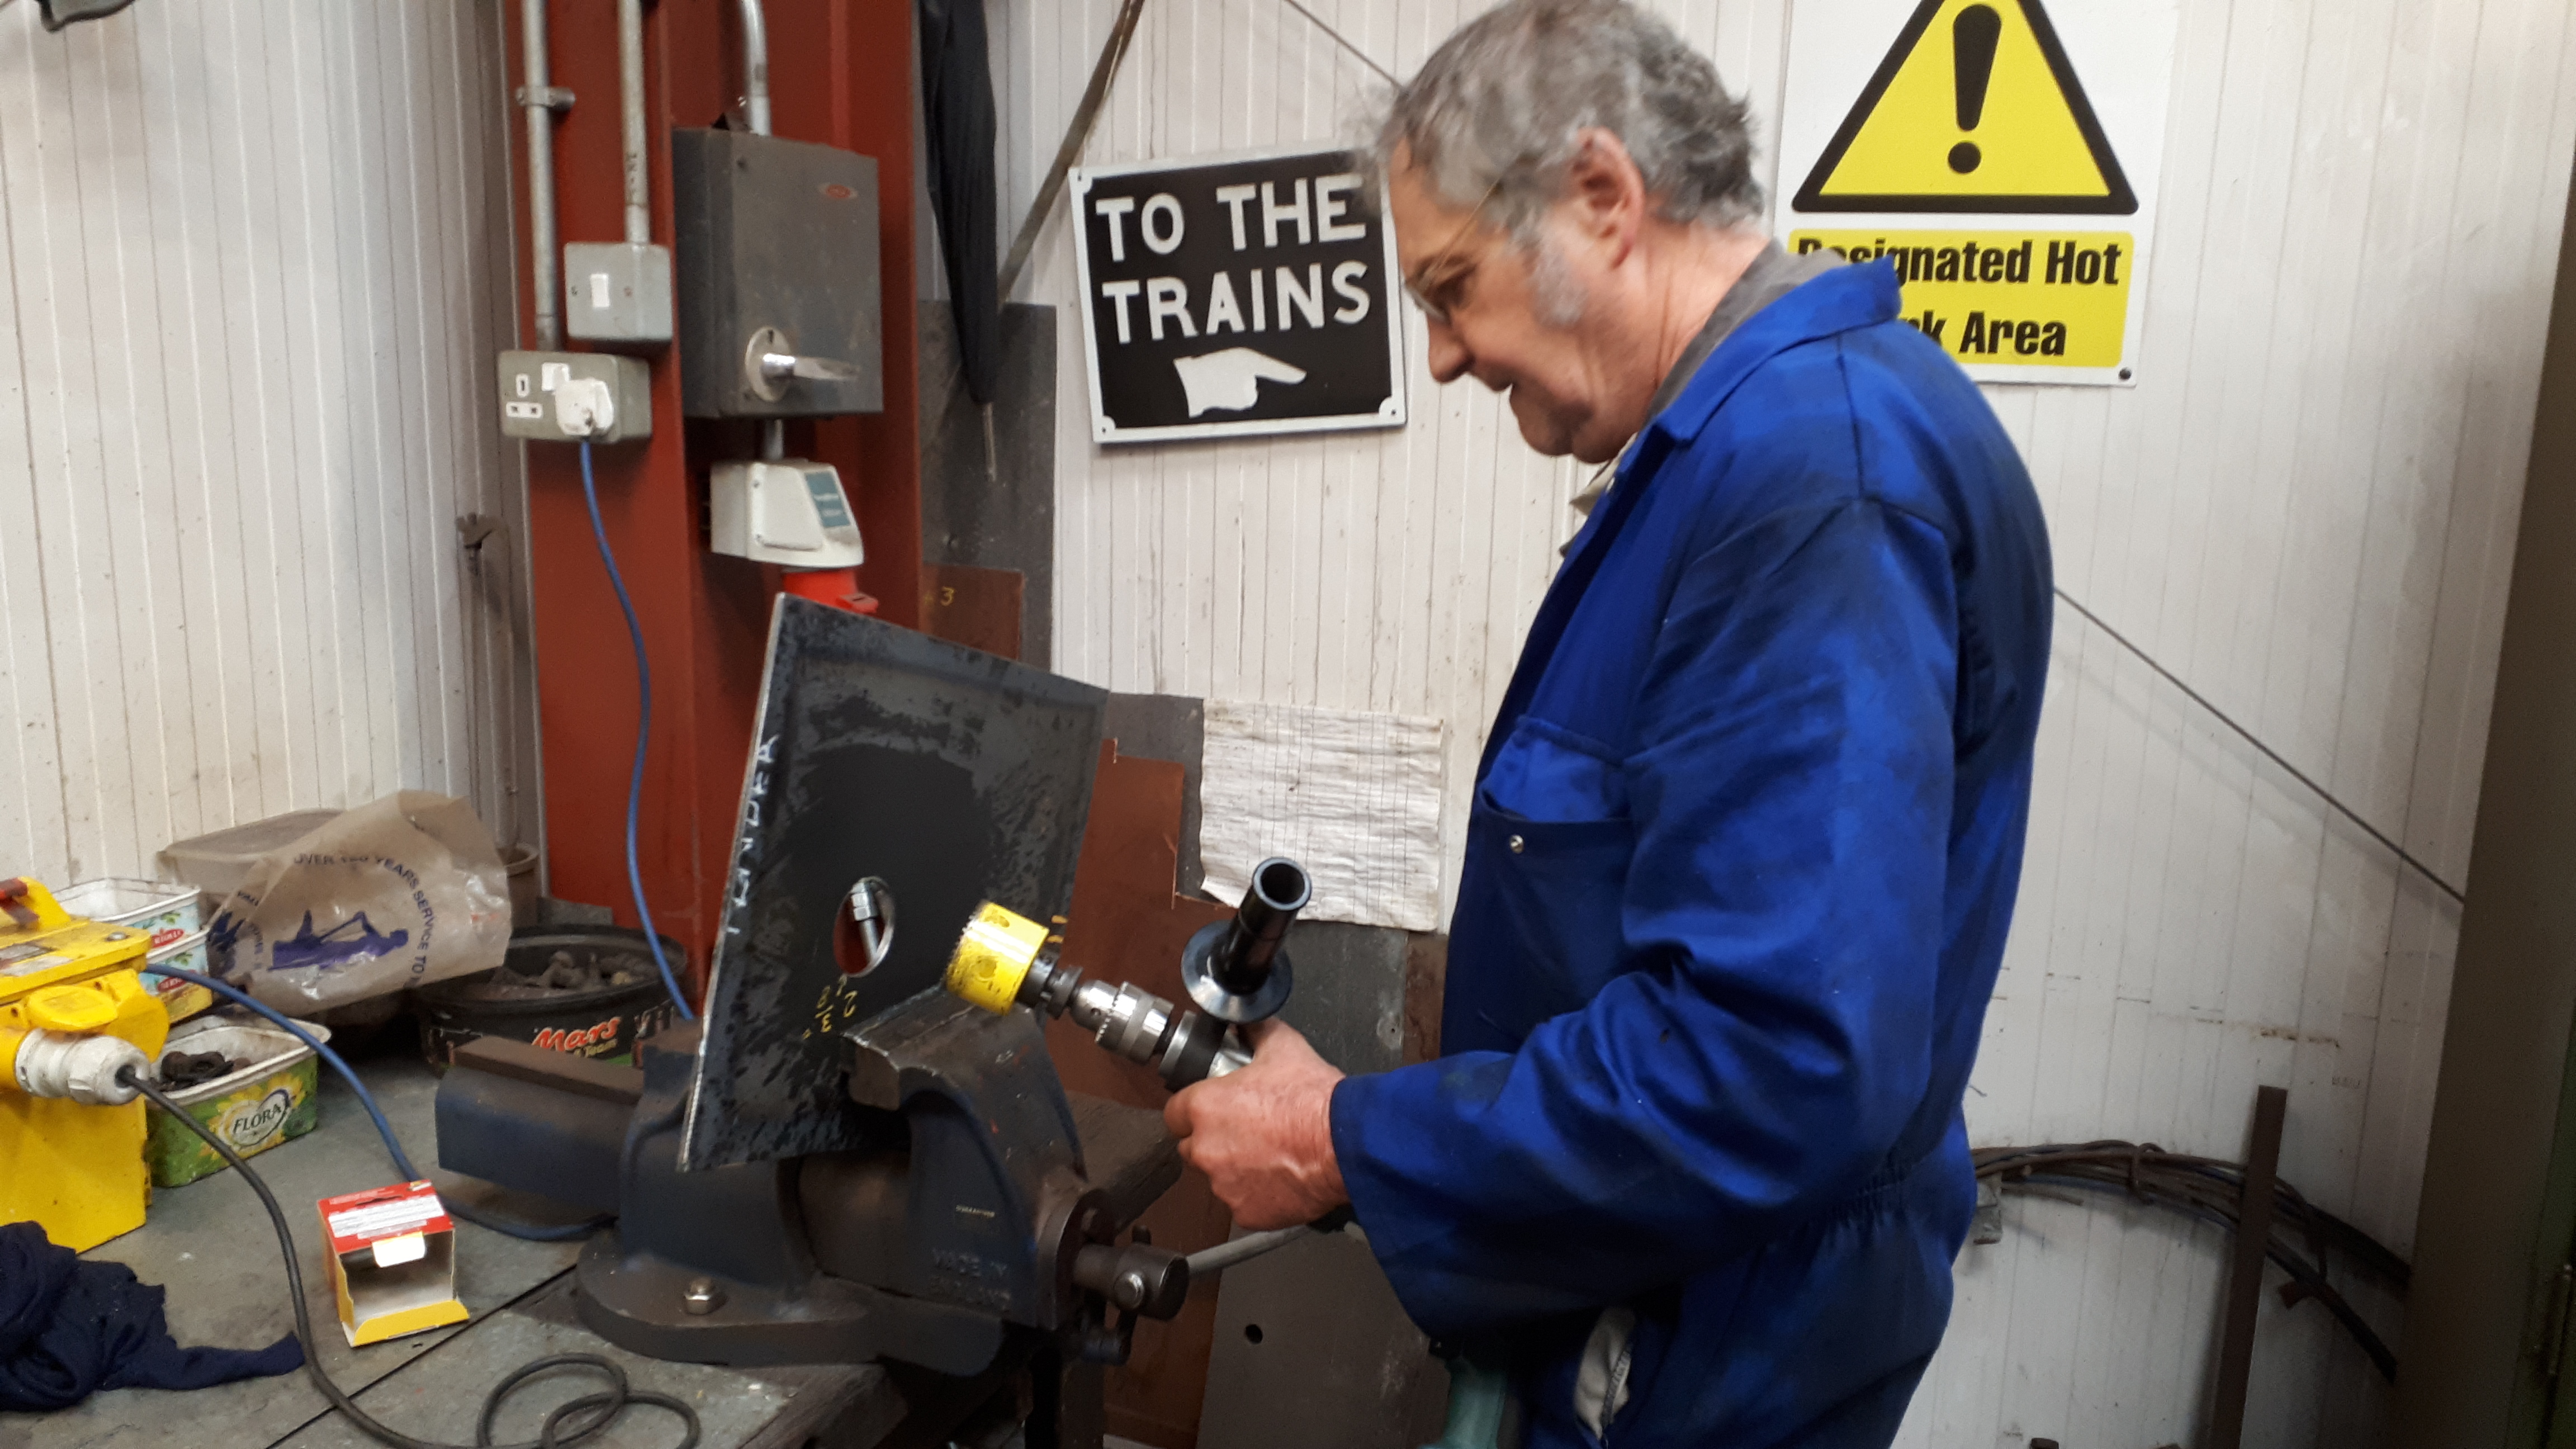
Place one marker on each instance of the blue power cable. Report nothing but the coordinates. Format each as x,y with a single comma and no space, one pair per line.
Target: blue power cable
322,1049
367,1099
634,882
643,733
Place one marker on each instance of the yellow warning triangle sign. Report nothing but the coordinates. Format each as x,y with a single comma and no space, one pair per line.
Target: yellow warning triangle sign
1974,109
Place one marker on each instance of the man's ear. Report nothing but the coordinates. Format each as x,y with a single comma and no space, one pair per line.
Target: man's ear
1605,193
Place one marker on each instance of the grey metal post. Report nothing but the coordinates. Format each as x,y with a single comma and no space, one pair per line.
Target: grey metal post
755,109
2245,1283
630,105
536,96
755,67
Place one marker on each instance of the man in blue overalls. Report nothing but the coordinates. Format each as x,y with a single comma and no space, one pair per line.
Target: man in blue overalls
1749,823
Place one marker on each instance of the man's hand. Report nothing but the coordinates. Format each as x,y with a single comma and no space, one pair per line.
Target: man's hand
1264,1135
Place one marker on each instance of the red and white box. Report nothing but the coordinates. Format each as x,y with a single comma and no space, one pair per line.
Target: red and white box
393,1261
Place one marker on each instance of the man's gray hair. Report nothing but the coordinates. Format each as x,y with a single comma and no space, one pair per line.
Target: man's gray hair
1492,117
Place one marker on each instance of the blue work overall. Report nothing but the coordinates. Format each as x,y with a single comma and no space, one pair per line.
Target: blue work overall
1742,858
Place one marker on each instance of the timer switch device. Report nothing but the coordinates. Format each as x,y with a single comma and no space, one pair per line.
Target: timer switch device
783,511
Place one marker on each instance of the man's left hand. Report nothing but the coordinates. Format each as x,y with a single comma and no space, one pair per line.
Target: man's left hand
1264,1134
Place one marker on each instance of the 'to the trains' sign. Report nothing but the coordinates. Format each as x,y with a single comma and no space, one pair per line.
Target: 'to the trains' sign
1243,294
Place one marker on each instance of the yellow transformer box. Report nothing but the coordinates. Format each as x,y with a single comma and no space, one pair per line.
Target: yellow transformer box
74,1167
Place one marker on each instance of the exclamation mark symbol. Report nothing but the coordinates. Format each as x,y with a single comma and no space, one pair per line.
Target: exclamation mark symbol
1972,55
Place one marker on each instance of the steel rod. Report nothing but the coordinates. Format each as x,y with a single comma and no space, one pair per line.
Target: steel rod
2245,1284
1251,1245
630,109
536,98
755,67
1103,71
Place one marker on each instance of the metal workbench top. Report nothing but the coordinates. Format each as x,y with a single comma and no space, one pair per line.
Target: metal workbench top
212,1247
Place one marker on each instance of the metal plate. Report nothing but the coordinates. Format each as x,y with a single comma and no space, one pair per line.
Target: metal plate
1312,1347
952,776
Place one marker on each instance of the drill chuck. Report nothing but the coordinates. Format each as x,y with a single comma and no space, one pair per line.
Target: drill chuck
1002,960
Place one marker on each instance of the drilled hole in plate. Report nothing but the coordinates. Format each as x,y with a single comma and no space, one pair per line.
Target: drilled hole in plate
863,928
1252,1333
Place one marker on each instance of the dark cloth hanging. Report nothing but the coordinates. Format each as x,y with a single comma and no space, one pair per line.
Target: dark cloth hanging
957,116
70,1327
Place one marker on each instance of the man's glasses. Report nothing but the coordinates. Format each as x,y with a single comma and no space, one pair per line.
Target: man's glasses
1440,283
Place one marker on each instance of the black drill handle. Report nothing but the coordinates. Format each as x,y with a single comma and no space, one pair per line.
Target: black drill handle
1280,889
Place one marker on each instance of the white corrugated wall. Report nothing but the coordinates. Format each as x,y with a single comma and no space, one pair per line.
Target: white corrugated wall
254,261
2305,508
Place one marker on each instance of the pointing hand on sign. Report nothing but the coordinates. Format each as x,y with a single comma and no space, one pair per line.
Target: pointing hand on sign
1230,380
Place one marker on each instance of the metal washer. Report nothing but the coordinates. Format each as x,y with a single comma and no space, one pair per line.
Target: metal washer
1220,1003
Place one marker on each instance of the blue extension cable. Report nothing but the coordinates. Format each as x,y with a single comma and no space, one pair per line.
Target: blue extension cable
643,733
367,1099
634,881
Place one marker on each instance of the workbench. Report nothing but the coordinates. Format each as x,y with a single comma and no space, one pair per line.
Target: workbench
212,1247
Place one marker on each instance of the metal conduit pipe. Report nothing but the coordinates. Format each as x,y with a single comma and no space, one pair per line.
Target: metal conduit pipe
630,106
537,98
755,67
755,110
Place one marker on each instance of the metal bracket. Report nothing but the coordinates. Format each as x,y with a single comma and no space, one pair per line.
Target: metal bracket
1986,1227
553,98
473,530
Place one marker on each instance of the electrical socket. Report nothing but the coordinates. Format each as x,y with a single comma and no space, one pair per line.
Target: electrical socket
614,397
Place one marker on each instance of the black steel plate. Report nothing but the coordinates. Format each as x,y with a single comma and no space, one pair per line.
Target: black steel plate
953,776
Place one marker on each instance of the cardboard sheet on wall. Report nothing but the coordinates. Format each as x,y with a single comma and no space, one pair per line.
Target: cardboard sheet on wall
1352,796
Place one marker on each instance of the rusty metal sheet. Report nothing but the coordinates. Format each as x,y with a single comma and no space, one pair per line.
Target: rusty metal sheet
979,608
1129,925
950,775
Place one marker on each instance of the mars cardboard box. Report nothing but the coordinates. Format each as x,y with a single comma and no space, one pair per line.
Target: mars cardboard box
393,1261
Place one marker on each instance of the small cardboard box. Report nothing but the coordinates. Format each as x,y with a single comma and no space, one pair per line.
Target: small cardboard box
393,1261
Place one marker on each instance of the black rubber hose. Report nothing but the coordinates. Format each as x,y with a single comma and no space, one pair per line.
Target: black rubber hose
602,1408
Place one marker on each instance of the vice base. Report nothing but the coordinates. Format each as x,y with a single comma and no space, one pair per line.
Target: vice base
668,1310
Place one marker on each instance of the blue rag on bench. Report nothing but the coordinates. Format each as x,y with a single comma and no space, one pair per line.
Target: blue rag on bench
70,1327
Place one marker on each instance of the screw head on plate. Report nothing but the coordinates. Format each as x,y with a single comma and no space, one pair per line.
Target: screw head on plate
701,1297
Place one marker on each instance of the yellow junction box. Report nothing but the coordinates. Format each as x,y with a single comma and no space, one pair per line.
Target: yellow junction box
76,1170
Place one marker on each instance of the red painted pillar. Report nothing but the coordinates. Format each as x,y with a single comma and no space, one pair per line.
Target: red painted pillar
841,73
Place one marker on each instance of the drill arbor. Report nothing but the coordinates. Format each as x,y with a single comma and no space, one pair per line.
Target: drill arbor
1234,970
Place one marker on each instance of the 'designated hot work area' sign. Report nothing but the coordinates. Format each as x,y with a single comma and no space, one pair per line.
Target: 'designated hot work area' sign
1243,294
2003,155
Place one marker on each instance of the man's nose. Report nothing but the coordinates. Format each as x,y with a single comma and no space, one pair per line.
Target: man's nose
1449,356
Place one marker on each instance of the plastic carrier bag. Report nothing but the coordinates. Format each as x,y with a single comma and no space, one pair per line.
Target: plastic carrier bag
391,895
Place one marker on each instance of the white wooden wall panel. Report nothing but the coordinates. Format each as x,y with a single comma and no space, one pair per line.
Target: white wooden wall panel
2305,508
254,258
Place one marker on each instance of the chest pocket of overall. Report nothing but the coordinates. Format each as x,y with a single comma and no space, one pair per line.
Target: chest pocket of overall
1549,842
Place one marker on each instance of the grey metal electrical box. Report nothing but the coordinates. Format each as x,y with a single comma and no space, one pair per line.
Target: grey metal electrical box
618,293
780,313
530,380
